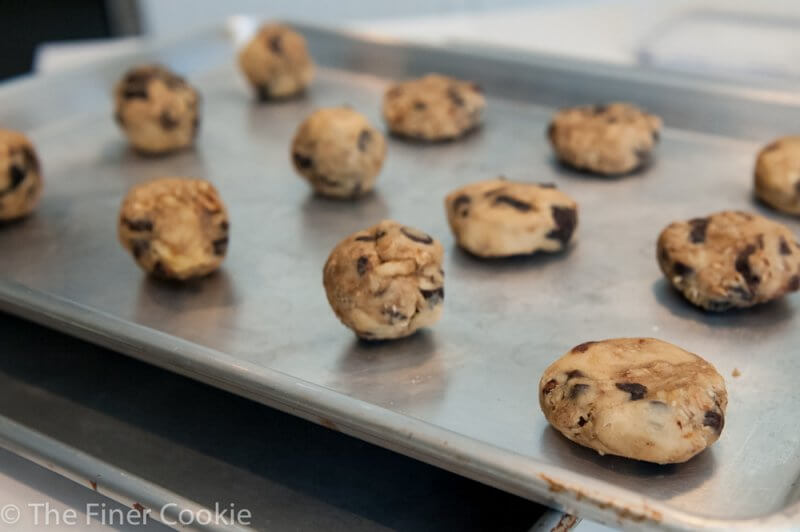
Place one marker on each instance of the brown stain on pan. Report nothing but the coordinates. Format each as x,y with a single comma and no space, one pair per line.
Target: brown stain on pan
566,523
623,513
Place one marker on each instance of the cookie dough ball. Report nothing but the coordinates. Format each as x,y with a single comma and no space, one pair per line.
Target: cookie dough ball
433,107
777,175
640,398
157,109
605,139
730,260
20,176
175,228
338,152
500,218
276,62
386,281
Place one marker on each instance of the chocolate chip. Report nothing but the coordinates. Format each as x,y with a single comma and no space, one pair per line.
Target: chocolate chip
167,121
548,185
582,421
740,292
577,390
784,247
132,93
138,225
394,314
420,237
682,269
361,265
643,156
719,306
455,97
637,391
461,204
224,225
17,174
31,161
794,283
551,130
697,233
220,245
420,105
275,44
714,420
493,191
371,238
599,108
521,206
742,266
566,218
159,270
582,348
302,161
548,387
575,374
363,139
433,297
139,247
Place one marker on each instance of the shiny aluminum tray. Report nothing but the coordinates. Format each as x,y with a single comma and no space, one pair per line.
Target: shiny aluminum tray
463,394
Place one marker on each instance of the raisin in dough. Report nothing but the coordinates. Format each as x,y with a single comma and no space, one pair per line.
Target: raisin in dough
157,109
433,107
175,228
499,218
276,62
386,281
777,175
20,176
730,260
640,398
338,152
605,139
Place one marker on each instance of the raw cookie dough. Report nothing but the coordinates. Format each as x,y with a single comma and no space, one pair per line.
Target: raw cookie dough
730,259
175,228
605,139
433,107
386,281
338,152
777,175
276,62
20,176
499,218
157,109
640,398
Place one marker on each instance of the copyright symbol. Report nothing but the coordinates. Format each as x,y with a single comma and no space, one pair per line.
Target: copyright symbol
9,514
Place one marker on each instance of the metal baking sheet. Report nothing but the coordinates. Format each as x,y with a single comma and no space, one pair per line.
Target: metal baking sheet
463,394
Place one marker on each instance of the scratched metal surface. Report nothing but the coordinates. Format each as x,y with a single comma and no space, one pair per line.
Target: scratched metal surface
463,394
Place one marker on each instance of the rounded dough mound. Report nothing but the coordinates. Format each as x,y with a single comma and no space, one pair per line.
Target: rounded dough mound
500,218
433,107
777,175
21,180
730,260
339,152
175,228
640,398
158,111
613,139
386,281
276,62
